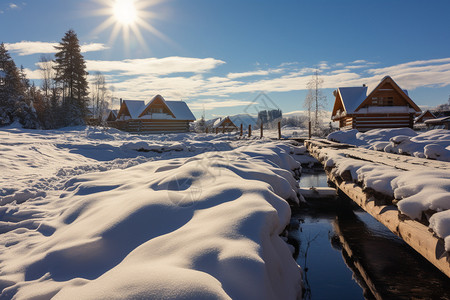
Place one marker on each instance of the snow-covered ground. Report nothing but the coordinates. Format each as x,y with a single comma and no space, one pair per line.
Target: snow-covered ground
433,144
104,214
420,192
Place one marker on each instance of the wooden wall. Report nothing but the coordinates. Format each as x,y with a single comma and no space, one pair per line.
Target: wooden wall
376,121
151,126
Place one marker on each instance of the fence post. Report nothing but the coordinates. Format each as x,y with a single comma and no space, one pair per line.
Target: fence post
279,130
242,129
249,130
261,130
309,129
206,130
223,129
217,130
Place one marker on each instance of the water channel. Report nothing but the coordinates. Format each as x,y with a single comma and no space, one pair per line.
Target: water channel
346,254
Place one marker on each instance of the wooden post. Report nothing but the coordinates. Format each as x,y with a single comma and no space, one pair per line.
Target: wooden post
206,130
217,130
249,130
223,129
411,121
279,130
261,128
309,129
242,129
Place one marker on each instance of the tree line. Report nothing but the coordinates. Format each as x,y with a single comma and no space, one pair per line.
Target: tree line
63,97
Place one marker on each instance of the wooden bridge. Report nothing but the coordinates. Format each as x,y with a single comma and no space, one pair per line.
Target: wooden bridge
416,234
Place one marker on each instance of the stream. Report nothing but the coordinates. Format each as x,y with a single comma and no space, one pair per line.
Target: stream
346,254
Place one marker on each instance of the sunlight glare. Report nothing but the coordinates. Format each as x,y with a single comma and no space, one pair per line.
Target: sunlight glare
128,17
125,11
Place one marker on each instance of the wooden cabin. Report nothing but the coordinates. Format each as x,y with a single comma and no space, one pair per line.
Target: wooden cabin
224,125
426,115
387,106
111,116
157,116
438,123
419,122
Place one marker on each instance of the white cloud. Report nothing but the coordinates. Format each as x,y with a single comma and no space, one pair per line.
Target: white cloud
192,78
209,104
248,74
13,6
28,48
160,66
421,73
93,47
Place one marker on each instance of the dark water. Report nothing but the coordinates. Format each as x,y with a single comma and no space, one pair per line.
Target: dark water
347,254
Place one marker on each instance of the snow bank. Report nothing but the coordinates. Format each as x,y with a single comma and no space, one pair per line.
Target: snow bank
193,227
433,144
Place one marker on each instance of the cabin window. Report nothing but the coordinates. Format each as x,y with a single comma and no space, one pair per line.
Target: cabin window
156,110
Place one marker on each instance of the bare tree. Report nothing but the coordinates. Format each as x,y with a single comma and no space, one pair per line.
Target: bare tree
315,99
47,72
99,95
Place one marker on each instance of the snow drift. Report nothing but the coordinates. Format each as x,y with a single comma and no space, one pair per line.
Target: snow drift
200,227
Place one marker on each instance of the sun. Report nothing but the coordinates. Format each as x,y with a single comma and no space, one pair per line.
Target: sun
125,11
128,17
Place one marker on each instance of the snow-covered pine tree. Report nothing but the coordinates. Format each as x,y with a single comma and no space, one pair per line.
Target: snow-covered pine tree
71,76
15,100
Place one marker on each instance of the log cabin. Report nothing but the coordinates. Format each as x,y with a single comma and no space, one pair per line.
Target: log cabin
224,125
157,116
112,115
426,115
387,106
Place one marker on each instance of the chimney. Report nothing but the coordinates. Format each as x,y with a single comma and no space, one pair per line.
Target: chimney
120,102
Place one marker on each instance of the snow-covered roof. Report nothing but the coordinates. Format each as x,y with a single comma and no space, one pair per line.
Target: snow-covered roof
180,110
419,117
135,107
219,122
438,120
352,97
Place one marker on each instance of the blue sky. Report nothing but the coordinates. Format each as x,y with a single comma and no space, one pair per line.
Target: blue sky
219,55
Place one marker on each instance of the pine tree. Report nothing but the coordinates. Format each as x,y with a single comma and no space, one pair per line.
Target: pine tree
71,77
15,99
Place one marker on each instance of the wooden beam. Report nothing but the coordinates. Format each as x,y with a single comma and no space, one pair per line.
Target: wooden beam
412,232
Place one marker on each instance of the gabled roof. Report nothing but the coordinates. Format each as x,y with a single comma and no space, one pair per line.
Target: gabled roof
219,122
180,110
135,107
352,97
428,113
404,93
157,98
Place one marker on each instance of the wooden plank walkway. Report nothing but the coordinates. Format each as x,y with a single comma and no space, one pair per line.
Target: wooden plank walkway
412,232
402,162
